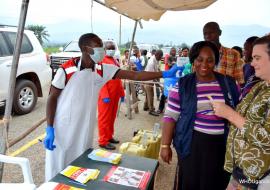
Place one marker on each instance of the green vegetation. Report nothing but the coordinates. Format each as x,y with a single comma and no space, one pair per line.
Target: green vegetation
122,50
52,49
40,32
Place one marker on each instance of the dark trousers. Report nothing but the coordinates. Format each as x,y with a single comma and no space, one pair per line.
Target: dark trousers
157,90
162,103
203,168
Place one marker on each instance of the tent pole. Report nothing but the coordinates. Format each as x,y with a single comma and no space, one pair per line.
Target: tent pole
120,30
129,115
12,82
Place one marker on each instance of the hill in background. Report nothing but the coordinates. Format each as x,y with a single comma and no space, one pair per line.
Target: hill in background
231,34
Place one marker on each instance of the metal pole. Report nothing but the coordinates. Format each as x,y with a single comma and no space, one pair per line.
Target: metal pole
127,87
12,81
120,30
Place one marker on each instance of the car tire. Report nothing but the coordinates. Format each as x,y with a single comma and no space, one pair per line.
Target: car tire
25,97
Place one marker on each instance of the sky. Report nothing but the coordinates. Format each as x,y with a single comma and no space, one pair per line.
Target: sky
69,19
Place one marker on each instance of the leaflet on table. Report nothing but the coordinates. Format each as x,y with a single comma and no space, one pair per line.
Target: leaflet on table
57,186
105,156
128,177
80,174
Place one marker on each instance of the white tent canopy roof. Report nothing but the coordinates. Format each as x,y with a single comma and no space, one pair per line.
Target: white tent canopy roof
154,9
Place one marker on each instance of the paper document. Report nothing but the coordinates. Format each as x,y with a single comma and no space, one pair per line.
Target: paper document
79,174
105,156
128,177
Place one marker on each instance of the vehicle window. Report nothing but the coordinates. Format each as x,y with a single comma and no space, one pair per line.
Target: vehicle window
4,51
72,47
26,44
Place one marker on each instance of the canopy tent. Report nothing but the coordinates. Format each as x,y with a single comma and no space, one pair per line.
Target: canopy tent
154,9
134,9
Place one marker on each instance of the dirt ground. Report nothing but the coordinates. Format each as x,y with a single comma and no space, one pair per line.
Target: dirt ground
124,129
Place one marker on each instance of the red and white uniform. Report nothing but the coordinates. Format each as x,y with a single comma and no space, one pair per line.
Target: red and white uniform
113,90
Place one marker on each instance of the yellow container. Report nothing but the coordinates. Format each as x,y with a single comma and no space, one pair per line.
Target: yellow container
152,142
133,149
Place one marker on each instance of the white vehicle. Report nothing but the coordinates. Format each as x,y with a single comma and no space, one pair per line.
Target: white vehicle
72,50
33,69
148,47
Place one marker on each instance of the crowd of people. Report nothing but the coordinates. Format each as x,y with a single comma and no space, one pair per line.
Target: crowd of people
217,115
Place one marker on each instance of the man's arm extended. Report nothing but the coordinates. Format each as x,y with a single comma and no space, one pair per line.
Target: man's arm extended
145,75
139,76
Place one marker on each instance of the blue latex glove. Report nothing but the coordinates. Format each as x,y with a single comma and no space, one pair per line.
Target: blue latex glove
122,98
48,141
172,72
106,100
187,69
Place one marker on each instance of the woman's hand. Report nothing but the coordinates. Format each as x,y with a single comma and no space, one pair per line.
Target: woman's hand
221,109
166,154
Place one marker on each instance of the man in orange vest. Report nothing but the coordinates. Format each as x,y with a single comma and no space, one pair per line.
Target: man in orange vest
108,102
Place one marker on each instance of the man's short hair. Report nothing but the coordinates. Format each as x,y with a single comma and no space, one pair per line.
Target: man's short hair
153,51
86,38
251,39
214,25
263,40
159,52
173,48
239,50
183,48
144,52
196,48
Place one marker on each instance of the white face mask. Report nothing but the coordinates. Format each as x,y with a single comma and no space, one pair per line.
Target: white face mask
98,55
110,52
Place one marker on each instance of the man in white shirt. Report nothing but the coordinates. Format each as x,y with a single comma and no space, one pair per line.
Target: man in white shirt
144,58
153,66
72,102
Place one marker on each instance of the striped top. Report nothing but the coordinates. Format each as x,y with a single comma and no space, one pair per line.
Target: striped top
206,121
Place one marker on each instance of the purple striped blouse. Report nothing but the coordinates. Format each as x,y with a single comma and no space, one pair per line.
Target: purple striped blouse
206,121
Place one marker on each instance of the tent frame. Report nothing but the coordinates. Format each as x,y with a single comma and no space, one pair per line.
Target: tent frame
12,79
14,67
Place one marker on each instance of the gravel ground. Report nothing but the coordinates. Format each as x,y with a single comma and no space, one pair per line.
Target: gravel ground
124,129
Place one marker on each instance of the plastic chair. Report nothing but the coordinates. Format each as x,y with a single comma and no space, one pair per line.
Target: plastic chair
27,174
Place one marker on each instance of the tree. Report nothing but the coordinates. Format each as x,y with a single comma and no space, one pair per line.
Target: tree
160,45
40,32
127,45
184,45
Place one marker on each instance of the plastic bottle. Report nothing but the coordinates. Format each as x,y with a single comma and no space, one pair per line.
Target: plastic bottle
156,130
